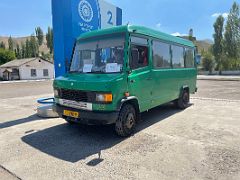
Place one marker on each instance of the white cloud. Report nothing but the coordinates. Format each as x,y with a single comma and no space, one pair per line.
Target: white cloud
178,34
215,15
158,25
225,15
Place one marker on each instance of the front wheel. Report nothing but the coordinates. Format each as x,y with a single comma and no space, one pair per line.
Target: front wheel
183,101
126,122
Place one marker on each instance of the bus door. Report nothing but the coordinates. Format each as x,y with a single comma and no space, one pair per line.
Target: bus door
140,79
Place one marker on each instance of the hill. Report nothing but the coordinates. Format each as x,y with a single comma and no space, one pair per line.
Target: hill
203,44
19,40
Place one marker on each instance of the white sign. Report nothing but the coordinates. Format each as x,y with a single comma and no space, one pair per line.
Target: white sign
112,68
87,68
108,14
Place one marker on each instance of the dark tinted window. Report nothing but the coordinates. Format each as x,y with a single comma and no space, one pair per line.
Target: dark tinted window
45,72
33,72
189,57
139,56
177,56
161,55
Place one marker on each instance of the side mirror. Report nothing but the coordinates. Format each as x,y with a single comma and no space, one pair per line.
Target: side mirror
198,59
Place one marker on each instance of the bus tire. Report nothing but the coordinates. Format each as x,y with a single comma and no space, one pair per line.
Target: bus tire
183,101
126,122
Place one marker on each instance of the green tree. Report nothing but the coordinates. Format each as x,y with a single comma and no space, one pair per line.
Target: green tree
232,33
218,42
27,49
2,45
47,56
49,38
39,35
10,43
208,61
33,46
6,56
23,50
18,52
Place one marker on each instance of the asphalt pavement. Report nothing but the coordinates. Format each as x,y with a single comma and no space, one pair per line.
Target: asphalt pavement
201,142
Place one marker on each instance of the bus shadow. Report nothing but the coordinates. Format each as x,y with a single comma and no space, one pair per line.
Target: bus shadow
8,124
77,142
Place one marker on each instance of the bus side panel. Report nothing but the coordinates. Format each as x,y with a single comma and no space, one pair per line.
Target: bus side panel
168,84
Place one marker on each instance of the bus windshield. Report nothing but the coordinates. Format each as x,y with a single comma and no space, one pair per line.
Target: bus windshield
101,56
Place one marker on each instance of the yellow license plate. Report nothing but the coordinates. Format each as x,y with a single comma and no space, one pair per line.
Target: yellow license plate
71,114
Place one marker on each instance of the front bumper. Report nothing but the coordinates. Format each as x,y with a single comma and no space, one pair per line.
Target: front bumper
88,117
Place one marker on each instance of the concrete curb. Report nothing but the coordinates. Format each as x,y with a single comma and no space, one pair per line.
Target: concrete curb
25,81
224,78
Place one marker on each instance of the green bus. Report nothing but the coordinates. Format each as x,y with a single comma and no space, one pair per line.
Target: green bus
120,72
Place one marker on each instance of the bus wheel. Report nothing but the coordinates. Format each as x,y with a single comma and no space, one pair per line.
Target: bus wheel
183,101
126,121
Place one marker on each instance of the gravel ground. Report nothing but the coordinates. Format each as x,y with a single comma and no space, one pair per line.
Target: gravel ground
201,142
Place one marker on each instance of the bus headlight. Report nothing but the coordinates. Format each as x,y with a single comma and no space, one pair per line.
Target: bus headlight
56,93
105,98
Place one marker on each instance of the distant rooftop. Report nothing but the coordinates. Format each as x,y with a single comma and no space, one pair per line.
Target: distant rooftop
18,62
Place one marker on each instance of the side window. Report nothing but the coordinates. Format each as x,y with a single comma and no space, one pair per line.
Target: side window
45,72
139,56
189,57
33,72
161,55
139,53
177,56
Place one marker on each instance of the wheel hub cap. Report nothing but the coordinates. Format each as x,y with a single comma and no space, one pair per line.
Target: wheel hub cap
130,121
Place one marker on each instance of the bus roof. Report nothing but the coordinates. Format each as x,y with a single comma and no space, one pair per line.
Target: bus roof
138,30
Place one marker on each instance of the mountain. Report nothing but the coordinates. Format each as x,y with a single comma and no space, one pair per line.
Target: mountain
19,40
203,44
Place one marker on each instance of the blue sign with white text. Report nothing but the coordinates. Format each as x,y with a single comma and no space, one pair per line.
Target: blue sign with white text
71,18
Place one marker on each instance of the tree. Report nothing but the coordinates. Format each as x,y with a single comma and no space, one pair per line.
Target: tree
218,42
23,51
49,38
208,61
27,49
39,35
2,45
33,46
232,33
10,43
18,52
6,56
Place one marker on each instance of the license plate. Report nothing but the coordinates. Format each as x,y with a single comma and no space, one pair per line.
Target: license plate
71,114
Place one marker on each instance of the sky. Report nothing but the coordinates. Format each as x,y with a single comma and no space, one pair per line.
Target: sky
20,17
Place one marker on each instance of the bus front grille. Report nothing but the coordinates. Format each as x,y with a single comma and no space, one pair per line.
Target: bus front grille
75,95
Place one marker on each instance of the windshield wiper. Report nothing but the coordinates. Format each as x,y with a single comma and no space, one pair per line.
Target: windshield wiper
75,72
98,72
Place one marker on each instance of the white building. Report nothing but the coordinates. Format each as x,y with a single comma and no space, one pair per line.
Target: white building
27,69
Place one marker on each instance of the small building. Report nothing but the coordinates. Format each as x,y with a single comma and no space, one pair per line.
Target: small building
27,69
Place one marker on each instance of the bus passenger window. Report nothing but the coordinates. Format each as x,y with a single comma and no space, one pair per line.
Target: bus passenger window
177,56
189,58
139,56
161,55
